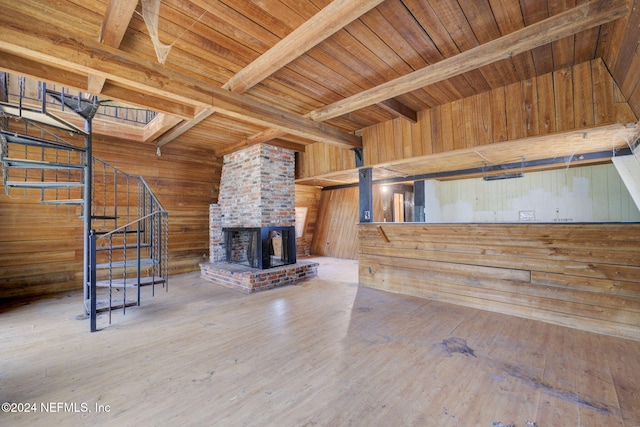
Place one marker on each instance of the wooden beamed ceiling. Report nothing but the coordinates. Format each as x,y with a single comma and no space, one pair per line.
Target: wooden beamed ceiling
294,73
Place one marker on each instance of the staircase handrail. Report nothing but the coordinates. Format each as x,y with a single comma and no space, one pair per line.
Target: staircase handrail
131,223
152,194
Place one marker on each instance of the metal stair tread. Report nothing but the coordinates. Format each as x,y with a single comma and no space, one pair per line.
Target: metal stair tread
121,247
63,202
127,263
131,282
14,138
102,304
122,231
104,217
41,184
40,164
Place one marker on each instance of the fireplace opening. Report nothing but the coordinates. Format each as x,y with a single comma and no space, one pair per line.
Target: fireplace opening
260,247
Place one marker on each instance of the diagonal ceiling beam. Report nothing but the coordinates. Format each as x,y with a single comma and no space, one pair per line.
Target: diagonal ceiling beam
114,26
29,37
583,17
321,26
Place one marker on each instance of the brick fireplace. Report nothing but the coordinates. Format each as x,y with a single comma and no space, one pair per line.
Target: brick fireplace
251,228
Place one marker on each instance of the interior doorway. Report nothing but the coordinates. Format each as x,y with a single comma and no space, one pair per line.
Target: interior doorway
398,207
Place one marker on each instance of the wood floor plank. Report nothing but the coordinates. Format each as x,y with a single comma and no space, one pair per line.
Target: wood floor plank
324,352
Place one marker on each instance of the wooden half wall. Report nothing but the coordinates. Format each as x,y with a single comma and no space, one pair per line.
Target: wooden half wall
583,276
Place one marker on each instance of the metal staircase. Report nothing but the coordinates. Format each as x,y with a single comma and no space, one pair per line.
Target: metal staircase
125,226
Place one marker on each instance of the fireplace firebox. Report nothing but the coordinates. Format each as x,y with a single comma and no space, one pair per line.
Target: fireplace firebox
260,247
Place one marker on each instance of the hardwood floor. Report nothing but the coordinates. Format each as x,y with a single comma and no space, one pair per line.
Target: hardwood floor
325,352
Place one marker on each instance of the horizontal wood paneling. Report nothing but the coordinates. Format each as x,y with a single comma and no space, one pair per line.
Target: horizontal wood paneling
41,246
584,276
579,97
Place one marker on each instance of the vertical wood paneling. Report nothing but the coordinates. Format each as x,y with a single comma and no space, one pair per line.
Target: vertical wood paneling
530,124
336,231
580,97
470,122
513,93
603,87
484,113
583,95
307,197
572,98
436,131
623,56
458,125
499,115
321,158
416,130
546,107
447,123
563,93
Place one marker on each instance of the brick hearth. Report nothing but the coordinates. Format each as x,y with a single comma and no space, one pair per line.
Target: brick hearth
248,280
256,190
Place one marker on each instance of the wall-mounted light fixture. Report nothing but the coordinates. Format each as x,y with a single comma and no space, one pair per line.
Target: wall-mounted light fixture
486,169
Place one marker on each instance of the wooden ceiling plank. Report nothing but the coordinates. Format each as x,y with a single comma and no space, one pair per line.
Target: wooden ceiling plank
509,18
485,28
563,49
52,45
535,11
580,18
321,26
181,128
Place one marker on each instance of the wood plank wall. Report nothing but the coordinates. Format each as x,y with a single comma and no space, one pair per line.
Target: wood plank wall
320,158
336,233
623,59
584,276
41,246
573,98
307,197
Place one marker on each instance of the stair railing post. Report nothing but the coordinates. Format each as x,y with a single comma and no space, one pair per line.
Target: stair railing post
88,171
138,258
92,281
